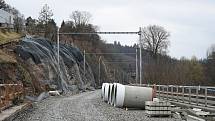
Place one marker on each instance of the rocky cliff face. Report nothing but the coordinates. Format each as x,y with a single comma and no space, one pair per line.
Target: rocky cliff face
39,57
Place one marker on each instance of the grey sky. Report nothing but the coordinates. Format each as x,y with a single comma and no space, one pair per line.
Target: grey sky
190,22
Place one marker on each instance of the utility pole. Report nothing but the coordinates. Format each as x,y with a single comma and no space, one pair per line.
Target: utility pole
140,39
99,69
136,66
58,47
114,76
84,63
123,77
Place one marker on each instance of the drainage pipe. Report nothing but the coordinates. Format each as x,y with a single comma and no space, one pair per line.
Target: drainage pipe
103,90
106,90
110,93
113,93
132,96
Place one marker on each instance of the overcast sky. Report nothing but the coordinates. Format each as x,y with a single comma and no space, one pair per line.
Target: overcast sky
190,22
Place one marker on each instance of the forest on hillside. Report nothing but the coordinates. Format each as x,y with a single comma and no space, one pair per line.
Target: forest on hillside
158,67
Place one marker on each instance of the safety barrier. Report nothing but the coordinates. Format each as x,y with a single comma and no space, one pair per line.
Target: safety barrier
193,95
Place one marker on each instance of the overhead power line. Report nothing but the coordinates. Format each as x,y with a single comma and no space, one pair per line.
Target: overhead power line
87,33
111,53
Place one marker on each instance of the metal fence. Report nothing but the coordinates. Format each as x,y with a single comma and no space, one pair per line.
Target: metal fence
194,95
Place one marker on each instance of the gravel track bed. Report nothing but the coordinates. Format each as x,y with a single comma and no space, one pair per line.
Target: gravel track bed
86,106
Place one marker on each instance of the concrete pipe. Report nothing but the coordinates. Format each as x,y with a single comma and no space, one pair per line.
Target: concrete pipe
106,90
113,93
103,90
110,93
132,96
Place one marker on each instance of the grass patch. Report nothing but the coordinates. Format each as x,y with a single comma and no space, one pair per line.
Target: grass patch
8,36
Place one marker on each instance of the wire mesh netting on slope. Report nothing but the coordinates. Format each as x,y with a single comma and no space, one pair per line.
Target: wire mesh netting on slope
40,57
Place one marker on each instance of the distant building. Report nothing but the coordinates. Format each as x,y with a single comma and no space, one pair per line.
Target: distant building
6,19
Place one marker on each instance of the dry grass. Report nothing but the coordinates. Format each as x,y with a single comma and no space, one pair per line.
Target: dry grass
8,36
5,58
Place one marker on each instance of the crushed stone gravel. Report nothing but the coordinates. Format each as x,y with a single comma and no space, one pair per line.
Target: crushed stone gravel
86,106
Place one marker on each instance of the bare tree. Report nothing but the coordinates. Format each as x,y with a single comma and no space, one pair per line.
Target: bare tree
45,16
210,65
18,24
80,18
155,39
31,25
211,51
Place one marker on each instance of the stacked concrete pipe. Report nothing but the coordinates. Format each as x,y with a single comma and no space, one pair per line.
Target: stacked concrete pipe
103,90
106,90
110,93
113,93
127,96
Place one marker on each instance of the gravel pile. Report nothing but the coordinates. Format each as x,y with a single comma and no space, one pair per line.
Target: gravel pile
86,106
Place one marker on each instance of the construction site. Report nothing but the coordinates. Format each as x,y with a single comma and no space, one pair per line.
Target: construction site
54,68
